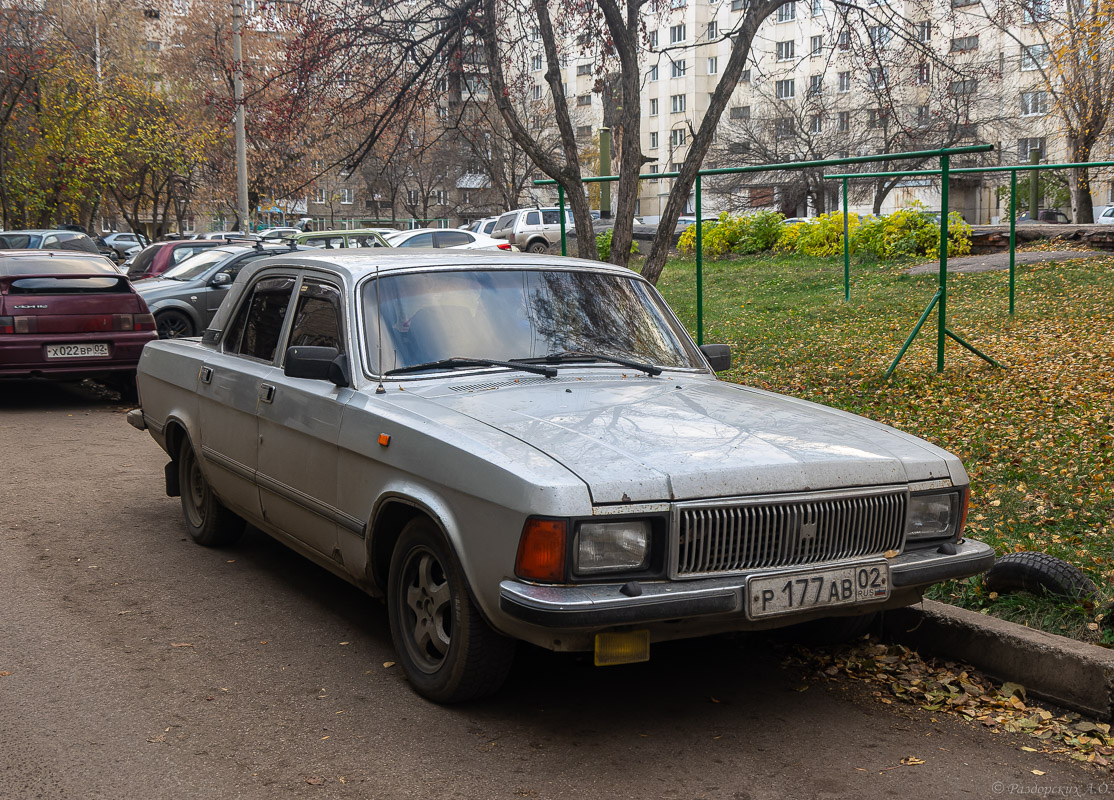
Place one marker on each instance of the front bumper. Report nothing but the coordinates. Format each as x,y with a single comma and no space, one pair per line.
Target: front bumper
603,605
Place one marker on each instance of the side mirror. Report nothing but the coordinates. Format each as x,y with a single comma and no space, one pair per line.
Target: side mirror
317,363
718,355
220,279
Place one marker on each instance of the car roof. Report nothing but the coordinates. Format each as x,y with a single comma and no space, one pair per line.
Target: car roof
41,231
51,261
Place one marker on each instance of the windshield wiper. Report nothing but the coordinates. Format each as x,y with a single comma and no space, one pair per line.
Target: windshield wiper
457,363
581,355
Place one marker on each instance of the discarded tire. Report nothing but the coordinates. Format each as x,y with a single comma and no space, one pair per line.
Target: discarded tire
1032,572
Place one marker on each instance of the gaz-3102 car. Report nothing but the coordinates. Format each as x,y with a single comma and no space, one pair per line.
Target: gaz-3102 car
509,447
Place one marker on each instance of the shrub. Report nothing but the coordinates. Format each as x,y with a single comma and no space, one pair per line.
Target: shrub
743,235
819,236
603,245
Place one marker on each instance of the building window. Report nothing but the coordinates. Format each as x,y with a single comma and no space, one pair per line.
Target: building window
924,73
713,31
817,7
962,3
713,65
677,69
963,88
745,77
923,31
1035,56
965,43
1036,11
815,85
677,137
583,69
584,132
816,46
536,63
785,51
584,100
653,171
1034,103
676,33
653,42
785,89
1027,146
784,128
677,103
653,107
319,197
875,117
877,77
843,42
740,112
922,117
844,82
536,92
653,140
844,121
815,124
787,12
879,35
412,197
654,72
439,197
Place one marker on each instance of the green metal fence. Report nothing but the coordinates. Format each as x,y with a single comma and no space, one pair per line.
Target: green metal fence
939,300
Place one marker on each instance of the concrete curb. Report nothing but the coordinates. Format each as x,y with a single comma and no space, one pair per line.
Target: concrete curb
1068,673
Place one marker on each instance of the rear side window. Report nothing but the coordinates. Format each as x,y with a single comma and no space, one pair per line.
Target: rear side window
451,238
182,253
532,218
551,217
80,243
420,240
317,317
20,241
256,330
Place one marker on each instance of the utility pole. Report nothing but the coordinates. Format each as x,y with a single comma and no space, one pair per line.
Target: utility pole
238,99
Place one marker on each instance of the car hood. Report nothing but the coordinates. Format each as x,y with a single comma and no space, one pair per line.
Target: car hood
157,288
635,439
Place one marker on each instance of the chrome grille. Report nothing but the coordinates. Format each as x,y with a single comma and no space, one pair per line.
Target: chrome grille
787,532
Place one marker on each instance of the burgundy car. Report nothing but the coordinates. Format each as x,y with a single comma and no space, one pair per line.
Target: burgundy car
157,258
68,315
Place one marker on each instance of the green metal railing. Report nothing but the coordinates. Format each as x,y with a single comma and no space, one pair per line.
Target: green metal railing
1013,170
939,300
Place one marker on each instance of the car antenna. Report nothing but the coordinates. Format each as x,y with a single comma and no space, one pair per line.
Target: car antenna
380,389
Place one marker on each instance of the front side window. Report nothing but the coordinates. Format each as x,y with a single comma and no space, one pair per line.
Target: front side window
518,314
451,238
317,317
258,325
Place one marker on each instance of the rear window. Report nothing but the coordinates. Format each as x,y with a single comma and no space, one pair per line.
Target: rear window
506,221
63,265
75,285
80,243
143,260
20,241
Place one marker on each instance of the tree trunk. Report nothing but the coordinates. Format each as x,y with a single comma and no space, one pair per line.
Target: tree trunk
1082,207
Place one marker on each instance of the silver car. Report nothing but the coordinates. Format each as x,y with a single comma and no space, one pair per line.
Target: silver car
510,447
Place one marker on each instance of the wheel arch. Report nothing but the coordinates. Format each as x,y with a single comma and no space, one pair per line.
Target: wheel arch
391,514
184,308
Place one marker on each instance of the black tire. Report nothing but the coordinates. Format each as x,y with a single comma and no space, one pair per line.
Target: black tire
830,630
208,521
173,324
449,653
1037,572
537,247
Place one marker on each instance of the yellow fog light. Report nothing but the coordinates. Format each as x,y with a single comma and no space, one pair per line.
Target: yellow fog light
622,648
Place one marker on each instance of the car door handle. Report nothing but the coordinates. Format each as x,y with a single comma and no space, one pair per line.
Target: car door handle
266,392
206,375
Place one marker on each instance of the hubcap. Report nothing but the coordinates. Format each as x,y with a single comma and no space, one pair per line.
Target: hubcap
426,610
195,491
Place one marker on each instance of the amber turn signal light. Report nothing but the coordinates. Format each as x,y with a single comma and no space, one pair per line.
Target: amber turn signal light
541,550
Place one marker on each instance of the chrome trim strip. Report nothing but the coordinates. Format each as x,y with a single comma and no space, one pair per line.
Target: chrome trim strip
309,503
230,464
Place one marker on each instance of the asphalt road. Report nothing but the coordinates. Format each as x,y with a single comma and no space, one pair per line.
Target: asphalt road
135,664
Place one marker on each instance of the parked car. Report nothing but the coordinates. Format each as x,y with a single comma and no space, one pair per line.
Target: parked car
106,251
1046,216
122,242
484,226
532,448
157,258
69,315
532,229
228,236
56,239
329,240
268,234
449,238
1105,216
184,298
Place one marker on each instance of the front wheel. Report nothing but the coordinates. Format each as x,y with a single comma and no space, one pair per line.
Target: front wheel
208,521
450,654
173,324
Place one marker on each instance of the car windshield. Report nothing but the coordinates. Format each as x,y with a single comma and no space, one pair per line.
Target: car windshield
20,241
519,314
196,265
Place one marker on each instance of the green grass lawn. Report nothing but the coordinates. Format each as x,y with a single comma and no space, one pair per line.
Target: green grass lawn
1037,437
